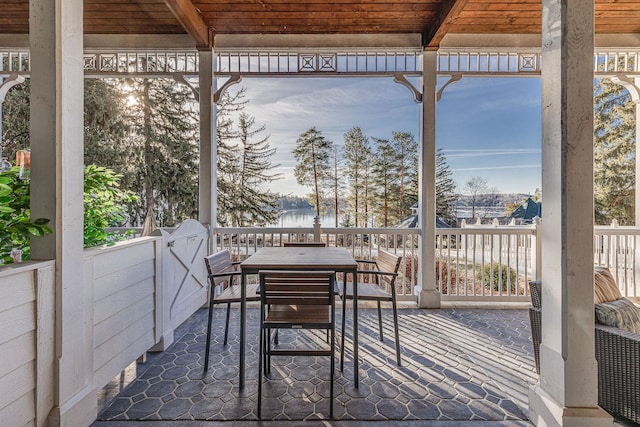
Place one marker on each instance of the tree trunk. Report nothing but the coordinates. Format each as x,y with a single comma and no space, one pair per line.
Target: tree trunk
148,136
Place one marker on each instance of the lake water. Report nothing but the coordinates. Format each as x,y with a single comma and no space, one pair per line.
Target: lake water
481,211
303,218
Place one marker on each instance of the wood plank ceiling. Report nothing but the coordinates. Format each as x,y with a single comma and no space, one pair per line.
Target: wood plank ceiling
202,19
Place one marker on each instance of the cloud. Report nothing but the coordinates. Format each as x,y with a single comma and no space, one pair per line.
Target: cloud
487,114
490,168
452,154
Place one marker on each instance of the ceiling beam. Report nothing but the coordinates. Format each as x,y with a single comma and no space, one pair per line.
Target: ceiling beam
189,17
447,15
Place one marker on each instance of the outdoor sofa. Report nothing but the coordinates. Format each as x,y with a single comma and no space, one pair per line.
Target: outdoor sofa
617,349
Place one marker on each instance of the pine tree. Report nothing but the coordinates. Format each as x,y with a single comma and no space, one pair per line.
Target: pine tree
15,120
106,130
614,154
228,107
164,150
445,190
252,204
335,180
368,186
406,148
385,178
312,168
357,154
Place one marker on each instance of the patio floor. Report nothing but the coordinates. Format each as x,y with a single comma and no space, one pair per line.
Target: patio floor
458,365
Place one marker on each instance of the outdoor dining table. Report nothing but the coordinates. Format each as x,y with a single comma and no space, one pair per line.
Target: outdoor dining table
298,258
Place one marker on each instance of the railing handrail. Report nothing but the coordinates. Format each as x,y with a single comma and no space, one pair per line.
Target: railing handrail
264,230
490,230
619,230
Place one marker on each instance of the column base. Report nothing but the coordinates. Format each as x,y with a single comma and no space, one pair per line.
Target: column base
429,298
165,341
80,410
544,411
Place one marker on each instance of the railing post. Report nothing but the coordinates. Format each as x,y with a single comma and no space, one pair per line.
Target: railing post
316,229
536,246
496,249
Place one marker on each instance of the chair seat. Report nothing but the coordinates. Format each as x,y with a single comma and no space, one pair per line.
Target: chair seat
299,314
366,292
232,294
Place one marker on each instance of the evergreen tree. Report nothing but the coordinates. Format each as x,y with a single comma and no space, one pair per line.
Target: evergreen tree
445,190
385,178
357,155
106,129
15,120
335,180
252,204
165,136
368,186
229,106
406,148
614,154
312,153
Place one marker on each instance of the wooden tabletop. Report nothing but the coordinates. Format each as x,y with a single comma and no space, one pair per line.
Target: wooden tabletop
297,258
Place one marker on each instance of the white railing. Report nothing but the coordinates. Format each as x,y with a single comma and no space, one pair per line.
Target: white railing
486,262
471,263
474,263
615,248
364,243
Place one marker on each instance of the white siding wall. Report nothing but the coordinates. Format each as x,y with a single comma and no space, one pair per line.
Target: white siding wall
135,305
26,343
124,278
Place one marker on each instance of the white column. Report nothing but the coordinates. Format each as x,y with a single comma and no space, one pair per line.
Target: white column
567,393
57,79
428,295
208,148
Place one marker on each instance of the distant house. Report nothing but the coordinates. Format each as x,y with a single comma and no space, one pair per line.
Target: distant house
411,221
528,210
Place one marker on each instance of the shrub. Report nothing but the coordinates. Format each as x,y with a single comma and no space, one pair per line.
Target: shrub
15,216
496,275
104,206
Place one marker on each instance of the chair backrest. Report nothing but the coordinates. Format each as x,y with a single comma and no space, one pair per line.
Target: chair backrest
389,263
535,288
297,287
305,244
218,263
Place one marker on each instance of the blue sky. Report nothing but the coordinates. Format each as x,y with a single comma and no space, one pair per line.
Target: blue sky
488,127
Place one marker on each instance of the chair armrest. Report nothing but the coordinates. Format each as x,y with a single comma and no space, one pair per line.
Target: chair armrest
377,272
366,261
225,274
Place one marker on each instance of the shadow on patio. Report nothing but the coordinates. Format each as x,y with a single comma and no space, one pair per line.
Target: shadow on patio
458,364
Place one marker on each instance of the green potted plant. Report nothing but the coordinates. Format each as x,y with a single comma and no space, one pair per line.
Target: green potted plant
15,218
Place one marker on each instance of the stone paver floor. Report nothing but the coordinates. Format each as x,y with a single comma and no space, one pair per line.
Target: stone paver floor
458,364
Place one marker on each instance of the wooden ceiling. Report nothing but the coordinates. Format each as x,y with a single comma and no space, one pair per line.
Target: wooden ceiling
203,19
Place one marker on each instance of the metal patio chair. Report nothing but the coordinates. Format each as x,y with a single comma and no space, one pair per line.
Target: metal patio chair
383,272
296,300
221,271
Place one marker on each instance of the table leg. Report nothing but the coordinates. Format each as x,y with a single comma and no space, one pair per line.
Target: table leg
355,327
243,322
